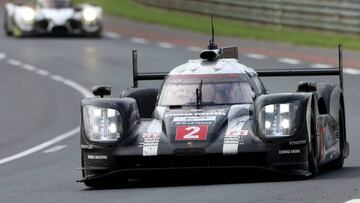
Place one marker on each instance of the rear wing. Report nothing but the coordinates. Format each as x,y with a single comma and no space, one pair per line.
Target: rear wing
262,73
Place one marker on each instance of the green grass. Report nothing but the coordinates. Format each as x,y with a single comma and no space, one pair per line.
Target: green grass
135,11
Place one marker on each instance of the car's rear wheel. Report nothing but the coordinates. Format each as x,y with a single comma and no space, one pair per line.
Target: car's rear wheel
313,160
339,162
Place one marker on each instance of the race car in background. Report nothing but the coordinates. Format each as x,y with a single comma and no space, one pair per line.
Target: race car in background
213,113
58,17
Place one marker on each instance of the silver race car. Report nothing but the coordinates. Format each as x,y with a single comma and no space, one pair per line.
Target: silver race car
55,17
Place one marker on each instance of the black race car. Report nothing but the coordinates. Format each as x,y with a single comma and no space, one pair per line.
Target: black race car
214,113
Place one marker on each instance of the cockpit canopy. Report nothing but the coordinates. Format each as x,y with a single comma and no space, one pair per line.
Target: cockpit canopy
216,89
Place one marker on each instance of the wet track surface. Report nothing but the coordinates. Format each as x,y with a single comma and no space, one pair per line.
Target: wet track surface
36,105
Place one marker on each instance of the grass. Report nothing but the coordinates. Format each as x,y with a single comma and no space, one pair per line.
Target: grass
199,23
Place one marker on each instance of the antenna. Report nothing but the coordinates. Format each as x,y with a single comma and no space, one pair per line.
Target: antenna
341,67
212,44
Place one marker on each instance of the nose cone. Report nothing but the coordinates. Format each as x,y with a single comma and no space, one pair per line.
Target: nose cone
58,16
205,127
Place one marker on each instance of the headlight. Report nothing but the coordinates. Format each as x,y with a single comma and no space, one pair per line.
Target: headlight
278,120
102,124
28,14
89,14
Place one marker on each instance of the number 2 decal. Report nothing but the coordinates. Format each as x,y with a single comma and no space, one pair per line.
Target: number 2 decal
198,132
193,133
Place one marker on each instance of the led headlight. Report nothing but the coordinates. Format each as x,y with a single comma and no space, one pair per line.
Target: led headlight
28,14
278,120
102,124
89,14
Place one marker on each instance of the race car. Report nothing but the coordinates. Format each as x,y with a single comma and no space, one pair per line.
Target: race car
55,17
213,113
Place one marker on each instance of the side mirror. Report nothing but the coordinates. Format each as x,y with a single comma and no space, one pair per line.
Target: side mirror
101,90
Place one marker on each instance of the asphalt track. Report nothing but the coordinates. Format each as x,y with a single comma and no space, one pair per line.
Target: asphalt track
40,96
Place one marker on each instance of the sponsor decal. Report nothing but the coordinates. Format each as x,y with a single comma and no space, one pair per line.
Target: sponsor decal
98,157
289,151
196,114
150,142
297,142
236,132
85,146
195,120
194,132
150,139
233,138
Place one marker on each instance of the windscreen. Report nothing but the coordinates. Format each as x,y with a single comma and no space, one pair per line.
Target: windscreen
55,3
222,89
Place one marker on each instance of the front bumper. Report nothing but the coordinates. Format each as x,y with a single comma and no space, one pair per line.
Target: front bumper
272,157
71,27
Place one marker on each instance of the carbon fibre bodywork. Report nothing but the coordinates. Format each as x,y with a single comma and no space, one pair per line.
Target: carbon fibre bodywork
228,136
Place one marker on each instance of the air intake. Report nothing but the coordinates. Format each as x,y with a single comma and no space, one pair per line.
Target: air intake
210,55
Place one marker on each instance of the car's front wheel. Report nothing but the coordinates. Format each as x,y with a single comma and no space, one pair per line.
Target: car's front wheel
6,24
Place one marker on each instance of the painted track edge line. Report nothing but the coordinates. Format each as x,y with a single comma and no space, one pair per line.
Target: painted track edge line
84,92
40,146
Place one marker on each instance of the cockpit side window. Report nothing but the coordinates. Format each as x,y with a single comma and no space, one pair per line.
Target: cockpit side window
257,86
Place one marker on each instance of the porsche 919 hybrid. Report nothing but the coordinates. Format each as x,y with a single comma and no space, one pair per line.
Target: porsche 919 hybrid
214,113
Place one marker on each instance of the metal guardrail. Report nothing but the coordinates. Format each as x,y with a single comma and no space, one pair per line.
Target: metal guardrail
327,15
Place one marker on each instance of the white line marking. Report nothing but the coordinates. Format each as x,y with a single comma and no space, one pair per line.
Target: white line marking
28,67
40,146
77,87
353,201
2,56
42,72
57,78
112,35
255,56
139,40
13,62
84,92
54,149
166,45
320,65
289,61
195,49
352,71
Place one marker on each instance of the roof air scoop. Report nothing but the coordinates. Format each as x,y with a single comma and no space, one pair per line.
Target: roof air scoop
210,55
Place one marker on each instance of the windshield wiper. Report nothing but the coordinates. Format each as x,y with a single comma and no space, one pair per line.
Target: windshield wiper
199,95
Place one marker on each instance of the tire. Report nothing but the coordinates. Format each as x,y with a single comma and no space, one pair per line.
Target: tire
313,159
16,32
6,25
95,35
339,162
